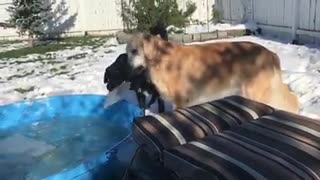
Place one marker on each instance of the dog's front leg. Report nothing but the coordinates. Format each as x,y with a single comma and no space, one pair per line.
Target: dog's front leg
161,106
152,100
141,100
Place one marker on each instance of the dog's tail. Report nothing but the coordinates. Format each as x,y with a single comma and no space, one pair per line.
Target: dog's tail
310,115
282,96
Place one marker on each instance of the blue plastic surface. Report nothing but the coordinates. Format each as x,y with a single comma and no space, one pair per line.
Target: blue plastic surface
70,106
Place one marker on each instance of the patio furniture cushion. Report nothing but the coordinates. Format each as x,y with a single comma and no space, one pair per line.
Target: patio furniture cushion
170,129
278,146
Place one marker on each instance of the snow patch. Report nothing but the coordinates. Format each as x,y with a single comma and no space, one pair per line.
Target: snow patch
220,26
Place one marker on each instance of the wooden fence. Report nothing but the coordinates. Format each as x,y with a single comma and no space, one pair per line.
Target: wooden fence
95,16
297,17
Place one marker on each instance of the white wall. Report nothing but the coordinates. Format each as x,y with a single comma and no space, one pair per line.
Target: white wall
101,15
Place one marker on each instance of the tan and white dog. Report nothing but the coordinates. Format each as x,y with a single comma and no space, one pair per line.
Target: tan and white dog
192,74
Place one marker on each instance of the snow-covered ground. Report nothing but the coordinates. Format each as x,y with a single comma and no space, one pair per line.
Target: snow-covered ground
5,47
81,70
196,28
78,70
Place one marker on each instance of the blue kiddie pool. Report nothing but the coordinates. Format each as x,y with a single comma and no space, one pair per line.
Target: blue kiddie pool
66,137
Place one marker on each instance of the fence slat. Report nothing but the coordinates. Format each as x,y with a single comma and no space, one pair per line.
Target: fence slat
99,15
317,19
312,12
288,13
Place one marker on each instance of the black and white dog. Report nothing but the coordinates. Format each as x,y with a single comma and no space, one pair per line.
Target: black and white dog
117,73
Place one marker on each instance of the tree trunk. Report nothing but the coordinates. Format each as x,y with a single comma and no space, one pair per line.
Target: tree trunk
31,40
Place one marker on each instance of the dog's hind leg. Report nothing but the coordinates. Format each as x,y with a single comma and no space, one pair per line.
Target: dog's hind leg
268,88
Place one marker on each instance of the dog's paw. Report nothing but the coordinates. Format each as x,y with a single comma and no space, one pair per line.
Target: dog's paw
148,112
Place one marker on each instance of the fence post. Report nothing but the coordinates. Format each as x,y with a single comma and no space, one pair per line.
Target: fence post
252,10
81,14
121,11
295,20
207,5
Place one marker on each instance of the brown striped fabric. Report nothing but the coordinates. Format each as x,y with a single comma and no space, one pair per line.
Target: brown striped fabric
162,131
242,109
277,146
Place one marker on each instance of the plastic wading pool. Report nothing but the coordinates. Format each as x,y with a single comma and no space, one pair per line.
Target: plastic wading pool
109,164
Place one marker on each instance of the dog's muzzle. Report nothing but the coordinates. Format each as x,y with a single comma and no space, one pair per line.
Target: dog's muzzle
113,79
120,71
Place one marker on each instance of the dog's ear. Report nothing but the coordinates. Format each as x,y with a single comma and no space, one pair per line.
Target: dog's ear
154,48
149,49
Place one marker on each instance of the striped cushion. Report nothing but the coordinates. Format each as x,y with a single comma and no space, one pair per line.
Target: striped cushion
171,129
277,146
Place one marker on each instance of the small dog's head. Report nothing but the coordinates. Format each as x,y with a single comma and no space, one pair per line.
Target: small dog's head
117,72
144,51
136,56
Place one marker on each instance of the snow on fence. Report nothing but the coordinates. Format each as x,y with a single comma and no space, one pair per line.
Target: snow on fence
93,16
301,17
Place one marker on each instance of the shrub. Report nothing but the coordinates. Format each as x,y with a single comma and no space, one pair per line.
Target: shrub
29,17
216,15
141,15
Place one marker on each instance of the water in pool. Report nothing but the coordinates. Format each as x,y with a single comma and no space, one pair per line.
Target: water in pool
38,150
